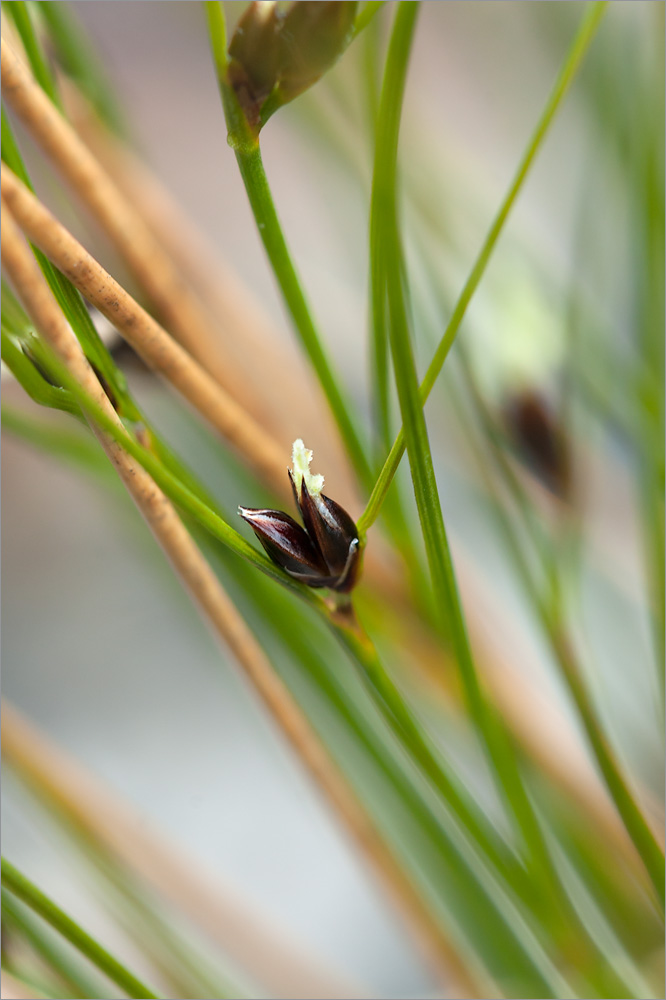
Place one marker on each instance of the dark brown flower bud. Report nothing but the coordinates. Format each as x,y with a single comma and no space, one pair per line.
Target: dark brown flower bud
325,554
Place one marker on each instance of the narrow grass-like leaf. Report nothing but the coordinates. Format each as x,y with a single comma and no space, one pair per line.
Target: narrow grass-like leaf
497,746
20,14
70,300
541,591
573,59
37,901
80,61
75,979
368,11
34,383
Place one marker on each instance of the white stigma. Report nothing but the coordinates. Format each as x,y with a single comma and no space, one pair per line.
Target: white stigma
300,468
263,9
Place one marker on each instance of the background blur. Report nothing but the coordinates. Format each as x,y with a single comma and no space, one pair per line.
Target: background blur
100,649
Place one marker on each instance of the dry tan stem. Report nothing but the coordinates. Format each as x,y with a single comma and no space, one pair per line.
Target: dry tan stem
146,336
177,306
212,601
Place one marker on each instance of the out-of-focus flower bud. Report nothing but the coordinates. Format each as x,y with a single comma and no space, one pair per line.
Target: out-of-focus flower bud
327,552
540,439
275,56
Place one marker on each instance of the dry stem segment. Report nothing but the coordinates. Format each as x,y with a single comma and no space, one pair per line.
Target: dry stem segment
160,352
172,297
215,605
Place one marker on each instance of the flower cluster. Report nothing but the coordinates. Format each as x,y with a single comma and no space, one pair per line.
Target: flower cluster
323,553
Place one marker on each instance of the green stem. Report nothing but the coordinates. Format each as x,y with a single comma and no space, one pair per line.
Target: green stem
550,620
395,711
217,32
81,61
569,667
25,890
628,809
74,978
577,51
258,192
632,817
70,300
245,143
369,10
495,738
393,708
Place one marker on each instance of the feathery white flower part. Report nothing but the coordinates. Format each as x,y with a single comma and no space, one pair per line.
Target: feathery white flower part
300,467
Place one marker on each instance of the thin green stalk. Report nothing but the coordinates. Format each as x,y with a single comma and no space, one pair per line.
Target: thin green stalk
554,630
26,374
624,801
366,14
256,185
74,978
644,840
577,51
80,61
70,300
25,890
217,32
19,12
364,656
550,619
379,367
245,144
494,737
